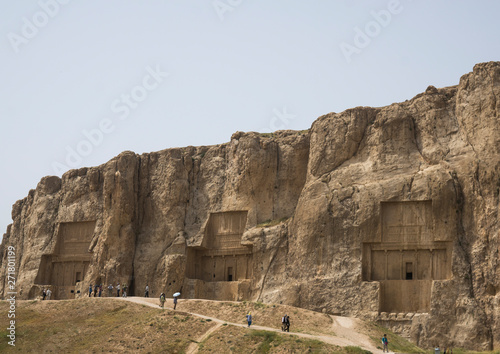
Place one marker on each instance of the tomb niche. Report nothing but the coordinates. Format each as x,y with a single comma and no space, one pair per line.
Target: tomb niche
221,267
68,264
407,258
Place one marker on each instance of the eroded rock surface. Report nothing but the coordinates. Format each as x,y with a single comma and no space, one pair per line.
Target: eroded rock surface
388,214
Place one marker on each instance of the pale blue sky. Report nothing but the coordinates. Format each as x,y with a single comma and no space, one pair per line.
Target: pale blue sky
233,65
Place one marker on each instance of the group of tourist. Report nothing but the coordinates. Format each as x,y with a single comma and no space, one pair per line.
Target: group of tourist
285,323
120,289
163,299
285,320
446,350
97,290
437,350
46,293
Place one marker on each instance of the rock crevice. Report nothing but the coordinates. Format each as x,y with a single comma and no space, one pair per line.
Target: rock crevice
388,214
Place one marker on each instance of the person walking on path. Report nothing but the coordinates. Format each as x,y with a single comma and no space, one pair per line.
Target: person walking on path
44,293
100,290
48,292
175,302
118,290
249,319
162,300
110,290
96,287
124,291
146,292
385,343
437,350
90,290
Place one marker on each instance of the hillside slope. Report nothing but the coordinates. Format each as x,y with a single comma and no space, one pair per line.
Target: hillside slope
140,325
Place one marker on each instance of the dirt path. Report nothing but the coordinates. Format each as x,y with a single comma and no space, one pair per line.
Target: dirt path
193,347
345,328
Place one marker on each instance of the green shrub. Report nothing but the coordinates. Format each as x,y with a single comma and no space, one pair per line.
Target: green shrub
267,338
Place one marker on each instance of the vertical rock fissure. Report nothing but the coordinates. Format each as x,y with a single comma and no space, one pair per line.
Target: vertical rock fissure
278,245
276,199
462,242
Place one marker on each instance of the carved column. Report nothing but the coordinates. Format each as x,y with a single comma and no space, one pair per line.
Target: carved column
416,265
402,266
386,270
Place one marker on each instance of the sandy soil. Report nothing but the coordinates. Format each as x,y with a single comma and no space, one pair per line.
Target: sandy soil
344,331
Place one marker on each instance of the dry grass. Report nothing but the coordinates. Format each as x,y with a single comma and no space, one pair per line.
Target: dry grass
397,343
303,321
100,325
232,339
110,325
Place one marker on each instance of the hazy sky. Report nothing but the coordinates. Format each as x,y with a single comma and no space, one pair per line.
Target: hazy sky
82,81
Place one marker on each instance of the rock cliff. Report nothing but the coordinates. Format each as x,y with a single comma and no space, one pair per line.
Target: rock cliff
388,214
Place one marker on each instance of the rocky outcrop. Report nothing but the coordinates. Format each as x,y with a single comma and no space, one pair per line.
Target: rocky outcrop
370,205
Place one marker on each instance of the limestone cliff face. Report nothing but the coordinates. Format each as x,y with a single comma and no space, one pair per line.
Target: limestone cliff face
389,214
